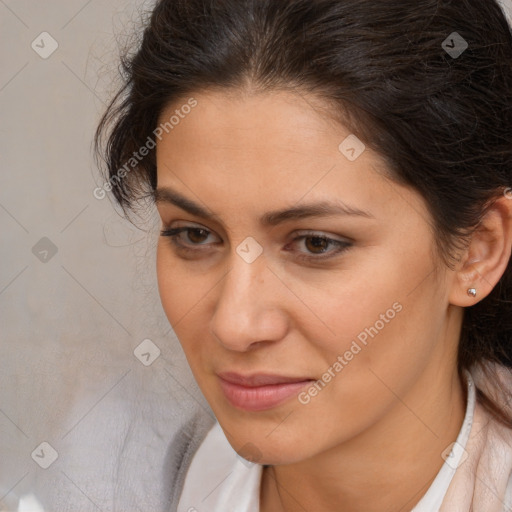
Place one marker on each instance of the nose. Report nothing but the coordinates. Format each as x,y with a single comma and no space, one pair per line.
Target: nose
250,307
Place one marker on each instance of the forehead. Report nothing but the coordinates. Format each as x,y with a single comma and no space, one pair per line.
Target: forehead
281,120
265,149
234,131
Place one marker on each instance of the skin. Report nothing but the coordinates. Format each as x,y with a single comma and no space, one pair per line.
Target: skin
396,406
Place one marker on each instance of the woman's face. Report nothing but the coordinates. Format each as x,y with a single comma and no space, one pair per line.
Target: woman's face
304,271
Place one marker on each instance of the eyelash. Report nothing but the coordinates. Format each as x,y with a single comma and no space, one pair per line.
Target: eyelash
341,246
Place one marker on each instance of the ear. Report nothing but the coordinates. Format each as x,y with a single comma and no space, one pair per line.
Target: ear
487,255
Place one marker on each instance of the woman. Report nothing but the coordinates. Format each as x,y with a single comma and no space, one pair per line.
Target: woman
332,178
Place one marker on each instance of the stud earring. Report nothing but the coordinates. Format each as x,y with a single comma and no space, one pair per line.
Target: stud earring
472,292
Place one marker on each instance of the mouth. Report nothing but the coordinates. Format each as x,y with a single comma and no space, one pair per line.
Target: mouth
259,392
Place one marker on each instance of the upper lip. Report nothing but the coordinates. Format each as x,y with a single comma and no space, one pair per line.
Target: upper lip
259,379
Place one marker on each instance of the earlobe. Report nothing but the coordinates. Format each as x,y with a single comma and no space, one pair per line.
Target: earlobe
472,292
486,257
467,288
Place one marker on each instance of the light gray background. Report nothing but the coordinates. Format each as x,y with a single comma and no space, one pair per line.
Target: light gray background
69,326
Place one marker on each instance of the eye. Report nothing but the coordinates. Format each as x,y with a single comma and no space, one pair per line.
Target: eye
186,238
193,240
317,246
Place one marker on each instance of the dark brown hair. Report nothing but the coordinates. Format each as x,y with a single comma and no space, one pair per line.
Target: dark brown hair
442,121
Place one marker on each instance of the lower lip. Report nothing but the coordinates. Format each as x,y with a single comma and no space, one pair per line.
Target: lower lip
260,398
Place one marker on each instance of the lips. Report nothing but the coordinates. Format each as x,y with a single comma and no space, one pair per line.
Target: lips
259,392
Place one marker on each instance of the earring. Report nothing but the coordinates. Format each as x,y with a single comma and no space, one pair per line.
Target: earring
472,292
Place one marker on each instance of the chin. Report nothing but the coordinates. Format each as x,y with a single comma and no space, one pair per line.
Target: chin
261,441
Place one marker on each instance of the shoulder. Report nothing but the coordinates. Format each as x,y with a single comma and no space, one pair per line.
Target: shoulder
180,452
219,478
482,479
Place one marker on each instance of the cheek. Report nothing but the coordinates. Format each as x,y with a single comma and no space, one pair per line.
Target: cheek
183,294
166,279
178,290
354,305
383,318
386,342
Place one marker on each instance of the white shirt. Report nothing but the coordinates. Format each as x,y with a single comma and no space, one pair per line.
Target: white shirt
219,480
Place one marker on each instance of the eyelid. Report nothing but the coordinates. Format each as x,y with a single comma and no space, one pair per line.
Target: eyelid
322,234
188,225
341,244
174,232
297,233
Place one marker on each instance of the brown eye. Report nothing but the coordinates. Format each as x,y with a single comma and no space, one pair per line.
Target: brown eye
314,247
189,238
310,247
316,244
197,235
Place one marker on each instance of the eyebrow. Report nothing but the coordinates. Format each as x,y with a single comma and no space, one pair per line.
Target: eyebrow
166,195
